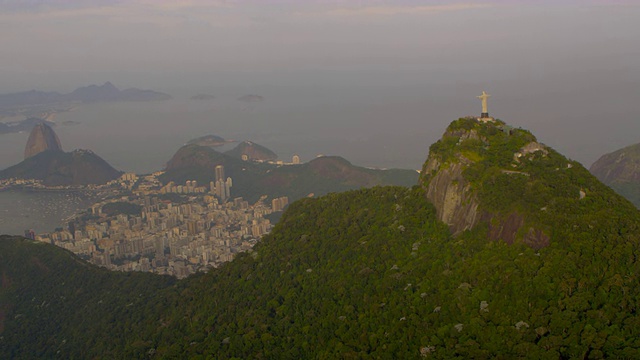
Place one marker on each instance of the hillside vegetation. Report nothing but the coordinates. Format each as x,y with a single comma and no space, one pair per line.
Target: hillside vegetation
253,179
54,168
370,273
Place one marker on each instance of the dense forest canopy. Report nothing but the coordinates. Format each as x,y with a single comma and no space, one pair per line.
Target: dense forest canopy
368,273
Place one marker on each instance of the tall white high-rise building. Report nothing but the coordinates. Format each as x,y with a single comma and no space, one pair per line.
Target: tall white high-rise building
219,173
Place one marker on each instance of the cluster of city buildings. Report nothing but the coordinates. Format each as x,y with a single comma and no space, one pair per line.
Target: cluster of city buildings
150,231
221,187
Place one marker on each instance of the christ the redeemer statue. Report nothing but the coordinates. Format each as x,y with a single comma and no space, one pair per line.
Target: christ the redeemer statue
484,97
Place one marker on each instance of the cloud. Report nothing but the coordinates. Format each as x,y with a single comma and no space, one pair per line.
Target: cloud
154,12
404,10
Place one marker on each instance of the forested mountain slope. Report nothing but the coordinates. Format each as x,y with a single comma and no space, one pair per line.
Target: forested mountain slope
251,179
375,273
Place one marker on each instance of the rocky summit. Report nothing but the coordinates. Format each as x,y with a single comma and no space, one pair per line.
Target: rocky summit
41,138
492,174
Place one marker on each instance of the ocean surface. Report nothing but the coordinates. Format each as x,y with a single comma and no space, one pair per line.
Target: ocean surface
40,211
141,137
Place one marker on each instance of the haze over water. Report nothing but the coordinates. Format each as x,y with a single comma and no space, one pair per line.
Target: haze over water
374,81
40,211
377,125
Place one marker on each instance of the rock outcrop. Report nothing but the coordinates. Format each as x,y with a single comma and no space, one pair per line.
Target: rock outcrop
42,138
455,202
472,168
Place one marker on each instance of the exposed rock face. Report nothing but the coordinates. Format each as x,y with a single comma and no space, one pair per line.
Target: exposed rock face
455,202
456,195
41,138
530,148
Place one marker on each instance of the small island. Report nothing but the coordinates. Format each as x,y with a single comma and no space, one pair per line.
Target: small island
204,97
251,98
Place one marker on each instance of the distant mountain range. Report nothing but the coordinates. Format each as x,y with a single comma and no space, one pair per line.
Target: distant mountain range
247,164
106,92
253,179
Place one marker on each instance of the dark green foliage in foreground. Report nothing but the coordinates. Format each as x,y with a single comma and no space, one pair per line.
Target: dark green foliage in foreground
329,282
364,274
372,274
54,305
368,273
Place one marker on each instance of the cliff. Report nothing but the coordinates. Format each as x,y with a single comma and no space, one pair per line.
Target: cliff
41,138
493,175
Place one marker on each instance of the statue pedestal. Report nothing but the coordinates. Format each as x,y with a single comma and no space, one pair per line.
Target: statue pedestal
486,119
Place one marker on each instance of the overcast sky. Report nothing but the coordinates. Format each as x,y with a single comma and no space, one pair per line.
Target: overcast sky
568,70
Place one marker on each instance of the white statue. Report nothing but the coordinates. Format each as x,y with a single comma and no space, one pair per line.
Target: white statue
484,98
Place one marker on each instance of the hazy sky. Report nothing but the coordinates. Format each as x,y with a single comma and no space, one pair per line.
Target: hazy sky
567,70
